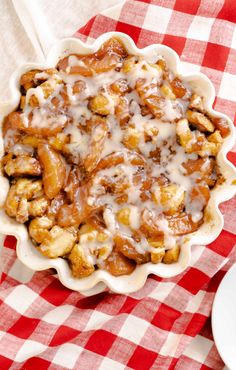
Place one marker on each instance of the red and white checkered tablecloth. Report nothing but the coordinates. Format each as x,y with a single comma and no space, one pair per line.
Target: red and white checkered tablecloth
165,325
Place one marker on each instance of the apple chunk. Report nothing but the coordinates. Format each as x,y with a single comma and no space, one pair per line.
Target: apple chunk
54,169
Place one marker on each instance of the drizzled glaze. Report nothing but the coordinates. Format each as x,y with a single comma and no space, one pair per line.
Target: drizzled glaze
133,138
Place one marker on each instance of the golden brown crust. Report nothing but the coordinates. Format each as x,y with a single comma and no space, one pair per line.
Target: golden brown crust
79,264
171,255
117,264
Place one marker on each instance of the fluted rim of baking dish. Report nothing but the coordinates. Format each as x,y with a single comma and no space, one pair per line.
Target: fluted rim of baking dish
206,234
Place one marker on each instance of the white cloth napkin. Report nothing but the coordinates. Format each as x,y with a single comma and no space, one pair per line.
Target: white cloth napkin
28,28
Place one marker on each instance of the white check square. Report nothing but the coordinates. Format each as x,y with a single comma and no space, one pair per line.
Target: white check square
20,272
109,364
157,19
170,345
113,12
29,349
195,302
200,28
233,45
162,291
186,67
199,348
134,329
96,320
21,298
58,315
67,355
2,333
227,88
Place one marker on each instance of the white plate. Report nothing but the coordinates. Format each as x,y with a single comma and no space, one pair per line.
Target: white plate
224,318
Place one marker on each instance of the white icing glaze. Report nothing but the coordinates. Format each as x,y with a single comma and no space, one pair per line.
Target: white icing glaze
161,135
110,220
114,143
20,149
134,217
38,92
171,109
79,142
145,71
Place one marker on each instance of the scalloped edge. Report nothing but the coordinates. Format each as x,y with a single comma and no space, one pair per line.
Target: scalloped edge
207,233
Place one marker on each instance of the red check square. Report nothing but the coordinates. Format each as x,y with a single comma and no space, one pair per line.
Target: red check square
10,242
215,56
129,304
91,302
215,281
228,11
232,157
100,342
175,42
223,244
142,359
5,363
193,280
34,363
195,325
55,293
63,334
24,327
132,31
189,7
165,317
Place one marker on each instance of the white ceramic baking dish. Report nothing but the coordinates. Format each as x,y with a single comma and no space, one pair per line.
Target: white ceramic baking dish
208,232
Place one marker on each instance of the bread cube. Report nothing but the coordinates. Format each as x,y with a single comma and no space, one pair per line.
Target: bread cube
196,102
167,92
23,165
123,216
178,87
38,207
100,104
59,242
80,265
172,199
126,246
199,120
157,255
216,137
131,138
183,133
171,255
